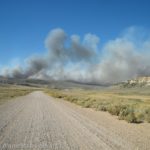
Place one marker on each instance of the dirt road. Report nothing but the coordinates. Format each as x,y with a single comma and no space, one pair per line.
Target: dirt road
40,122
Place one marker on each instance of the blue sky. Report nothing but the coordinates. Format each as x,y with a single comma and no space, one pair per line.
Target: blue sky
24,24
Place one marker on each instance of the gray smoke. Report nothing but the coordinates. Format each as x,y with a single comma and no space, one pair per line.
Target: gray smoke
70,58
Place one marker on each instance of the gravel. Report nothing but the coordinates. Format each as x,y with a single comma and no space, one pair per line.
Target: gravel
40,122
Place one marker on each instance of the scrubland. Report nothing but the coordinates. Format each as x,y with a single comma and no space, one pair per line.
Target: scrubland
7,92
131,104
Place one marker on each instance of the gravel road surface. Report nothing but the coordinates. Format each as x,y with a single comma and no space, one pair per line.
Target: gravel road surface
40,122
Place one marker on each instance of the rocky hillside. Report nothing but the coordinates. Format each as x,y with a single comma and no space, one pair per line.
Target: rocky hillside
137,82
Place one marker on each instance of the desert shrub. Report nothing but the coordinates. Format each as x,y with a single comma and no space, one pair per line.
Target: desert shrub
147,115
131,118
128,114
88,103
71,98
140,117
80,102
115,109
102,107
59,96
124,112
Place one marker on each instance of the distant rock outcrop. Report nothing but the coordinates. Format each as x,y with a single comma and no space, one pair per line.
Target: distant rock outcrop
137,82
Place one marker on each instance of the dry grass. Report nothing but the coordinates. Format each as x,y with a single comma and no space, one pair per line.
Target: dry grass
9,92
132,105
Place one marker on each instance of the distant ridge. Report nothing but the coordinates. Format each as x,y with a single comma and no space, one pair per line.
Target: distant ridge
60,84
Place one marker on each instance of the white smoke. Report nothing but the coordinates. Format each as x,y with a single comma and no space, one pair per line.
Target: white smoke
69,58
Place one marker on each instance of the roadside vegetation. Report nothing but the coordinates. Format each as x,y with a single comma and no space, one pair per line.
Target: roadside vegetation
132,105
9,92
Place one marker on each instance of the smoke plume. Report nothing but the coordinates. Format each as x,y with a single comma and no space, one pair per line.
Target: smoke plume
70,58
